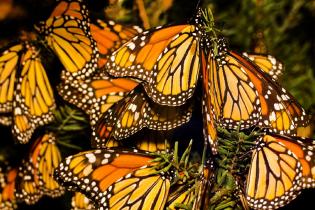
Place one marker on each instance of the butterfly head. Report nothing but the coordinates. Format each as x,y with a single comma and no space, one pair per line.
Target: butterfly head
219,49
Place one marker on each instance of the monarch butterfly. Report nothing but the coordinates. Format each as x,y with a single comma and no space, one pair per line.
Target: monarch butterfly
46,157
109,36
26,184
7,197
240,93
97,94
166,58
67,33
25,90
80,202
115,179
235,89
133,113
35,175
267,63
280,167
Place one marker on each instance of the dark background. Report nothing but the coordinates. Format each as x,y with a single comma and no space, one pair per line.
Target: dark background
283,28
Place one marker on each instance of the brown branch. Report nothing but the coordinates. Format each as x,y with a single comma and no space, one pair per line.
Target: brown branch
143,14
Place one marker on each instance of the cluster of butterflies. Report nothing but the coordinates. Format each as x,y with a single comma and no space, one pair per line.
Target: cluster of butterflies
33,176
128,80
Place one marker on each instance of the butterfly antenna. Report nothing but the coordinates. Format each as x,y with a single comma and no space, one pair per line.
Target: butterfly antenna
196,13
198,5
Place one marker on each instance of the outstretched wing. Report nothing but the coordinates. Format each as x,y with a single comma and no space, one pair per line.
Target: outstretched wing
166,58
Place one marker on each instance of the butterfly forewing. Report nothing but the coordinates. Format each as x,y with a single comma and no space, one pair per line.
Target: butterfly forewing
109,36
167,59
9,63
115,178
67,33
33,94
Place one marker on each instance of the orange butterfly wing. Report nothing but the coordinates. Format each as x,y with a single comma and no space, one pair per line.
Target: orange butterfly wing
99,173
135,112
303,149
241,94
280,112
67,33
109,36
9,63
167,60
97,94
7,195
33,94
267,64
274,175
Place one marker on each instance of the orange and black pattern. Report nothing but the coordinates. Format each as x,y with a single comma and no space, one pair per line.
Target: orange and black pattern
67,33
280,167
135,112
96,94
239,94
109,36
115,179
26,97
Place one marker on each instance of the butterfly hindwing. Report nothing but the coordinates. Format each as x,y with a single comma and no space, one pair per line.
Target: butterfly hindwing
46,157
96,94
80,202
268,64
135,112
7,196
280,167
27,183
